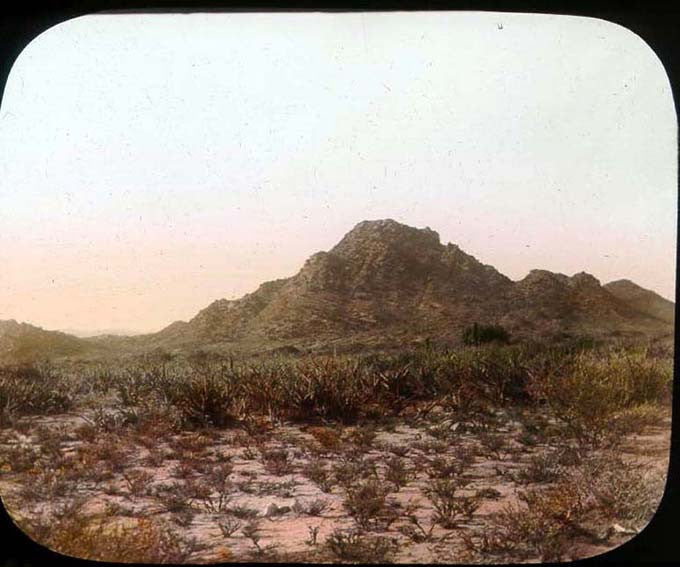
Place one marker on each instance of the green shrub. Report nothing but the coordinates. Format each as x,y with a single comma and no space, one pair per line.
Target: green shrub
480,334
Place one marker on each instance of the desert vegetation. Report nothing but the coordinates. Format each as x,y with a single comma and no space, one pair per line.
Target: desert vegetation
491,452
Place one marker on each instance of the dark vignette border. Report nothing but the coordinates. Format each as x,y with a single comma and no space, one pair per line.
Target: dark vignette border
656,23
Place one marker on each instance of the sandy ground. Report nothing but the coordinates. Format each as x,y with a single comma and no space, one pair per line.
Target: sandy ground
277,495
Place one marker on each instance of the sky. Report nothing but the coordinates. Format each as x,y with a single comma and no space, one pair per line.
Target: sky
152,163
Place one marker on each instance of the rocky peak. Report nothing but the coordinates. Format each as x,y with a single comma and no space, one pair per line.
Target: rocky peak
384,235
584,280
539,278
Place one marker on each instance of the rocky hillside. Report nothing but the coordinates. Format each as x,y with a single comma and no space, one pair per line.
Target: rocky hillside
387,284
642,299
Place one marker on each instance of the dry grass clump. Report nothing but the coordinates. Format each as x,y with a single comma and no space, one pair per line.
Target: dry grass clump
140,540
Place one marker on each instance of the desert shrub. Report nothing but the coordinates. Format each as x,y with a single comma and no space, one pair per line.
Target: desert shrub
263,388
175,497
471,381
204,400
647,379
47,486
243,512
431,446
444,467
624,492
34,390
317,472
541,526
398,473
99,539
251,531
135,385
397,450
544,467
137,481
480,334
277,461
589,392
365,502
493,444
350,467
352,545
330,388
229,526
416,531
637,418
450,507
19,457
314,507
363,436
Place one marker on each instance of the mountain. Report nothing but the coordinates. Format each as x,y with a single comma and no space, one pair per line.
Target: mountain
387,284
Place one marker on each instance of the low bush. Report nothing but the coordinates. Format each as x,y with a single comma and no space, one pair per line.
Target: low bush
353,546
449,506
589,391
365,502
34,390
480,334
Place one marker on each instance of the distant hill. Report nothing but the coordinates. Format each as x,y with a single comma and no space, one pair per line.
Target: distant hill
21,342
642,299
99,333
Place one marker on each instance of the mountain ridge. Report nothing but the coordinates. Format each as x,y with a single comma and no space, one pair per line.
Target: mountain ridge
386,283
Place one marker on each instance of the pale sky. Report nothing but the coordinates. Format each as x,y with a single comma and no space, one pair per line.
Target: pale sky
150,164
